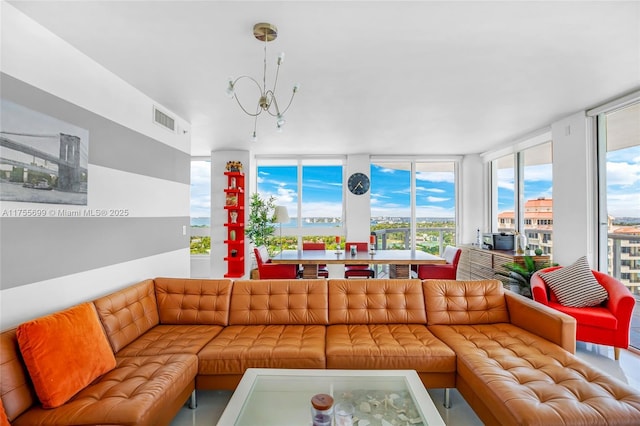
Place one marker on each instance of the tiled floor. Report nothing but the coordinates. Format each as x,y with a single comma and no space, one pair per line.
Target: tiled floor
211,404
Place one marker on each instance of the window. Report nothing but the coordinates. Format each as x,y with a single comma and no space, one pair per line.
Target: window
391,204
435,206
200,210
522,183
504,178
413,204
619,184
311,190
538,186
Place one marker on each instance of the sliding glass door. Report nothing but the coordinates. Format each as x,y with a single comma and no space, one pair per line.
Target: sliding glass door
619,186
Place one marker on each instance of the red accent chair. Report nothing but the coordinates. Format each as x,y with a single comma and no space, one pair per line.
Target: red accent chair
606,324
322,269
447,271
358,271
269,270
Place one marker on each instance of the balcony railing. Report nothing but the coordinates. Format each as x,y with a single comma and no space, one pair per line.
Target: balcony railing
625,247
431,239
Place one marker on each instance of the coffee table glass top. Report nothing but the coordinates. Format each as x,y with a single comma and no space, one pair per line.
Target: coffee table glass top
283,397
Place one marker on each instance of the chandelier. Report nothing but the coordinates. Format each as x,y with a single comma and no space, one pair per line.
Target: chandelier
267,101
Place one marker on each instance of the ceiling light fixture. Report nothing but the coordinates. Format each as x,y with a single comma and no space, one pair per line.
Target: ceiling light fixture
267,101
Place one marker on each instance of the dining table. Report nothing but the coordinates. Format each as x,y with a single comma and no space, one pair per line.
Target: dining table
399,261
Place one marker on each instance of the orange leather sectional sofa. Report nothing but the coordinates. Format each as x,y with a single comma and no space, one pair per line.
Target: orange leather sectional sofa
510,357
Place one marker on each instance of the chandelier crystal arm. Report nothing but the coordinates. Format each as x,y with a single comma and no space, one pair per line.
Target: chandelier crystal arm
284,111
232,85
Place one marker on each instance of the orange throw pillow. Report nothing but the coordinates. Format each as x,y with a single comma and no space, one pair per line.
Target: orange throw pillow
4,420
64,352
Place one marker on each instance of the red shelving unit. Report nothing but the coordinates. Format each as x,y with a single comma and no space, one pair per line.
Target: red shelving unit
234,206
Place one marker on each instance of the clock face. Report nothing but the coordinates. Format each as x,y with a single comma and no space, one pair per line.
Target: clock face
358,183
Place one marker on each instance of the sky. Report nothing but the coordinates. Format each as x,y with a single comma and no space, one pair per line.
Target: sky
435,191
623,183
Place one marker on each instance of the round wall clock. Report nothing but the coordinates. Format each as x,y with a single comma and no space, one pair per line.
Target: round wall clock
358,183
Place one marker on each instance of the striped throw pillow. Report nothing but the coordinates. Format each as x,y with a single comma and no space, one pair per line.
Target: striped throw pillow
575,286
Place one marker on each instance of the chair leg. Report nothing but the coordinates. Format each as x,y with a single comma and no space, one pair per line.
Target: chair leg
447,398
193,403
616,353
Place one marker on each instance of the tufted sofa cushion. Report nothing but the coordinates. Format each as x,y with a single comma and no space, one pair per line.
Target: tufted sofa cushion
181,304
373,301
15,390
128,313
465,302
515,378
171,339
279,302
273,324
380,324
193,301
139,391
239,347
387,346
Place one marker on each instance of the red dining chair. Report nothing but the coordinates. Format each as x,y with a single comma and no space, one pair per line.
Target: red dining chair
269,270
322,269
605,324
447,271
357,271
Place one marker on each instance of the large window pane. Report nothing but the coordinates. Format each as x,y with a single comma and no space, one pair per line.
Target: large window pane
280,182
321,194
391,204
538,206
200,209
311,191
435,206
621,130
413,193
505,190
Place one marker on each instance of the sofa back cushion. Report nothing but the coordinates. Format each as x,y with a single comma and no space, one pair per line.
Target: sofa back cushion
64,352
193,301
129,313
370,301
451,302
16,390
279,302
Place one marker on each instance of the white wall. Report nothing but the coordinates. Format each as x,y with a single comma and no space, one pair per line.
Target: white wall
574,180
357,207
472,200
49,67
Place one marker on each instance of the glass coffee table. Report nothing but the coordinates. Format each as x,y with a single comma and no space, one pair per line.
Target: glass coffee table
282,397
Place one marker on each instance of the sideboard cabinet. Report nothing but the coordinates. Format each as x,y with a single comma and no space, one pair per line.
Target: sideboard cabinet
478,264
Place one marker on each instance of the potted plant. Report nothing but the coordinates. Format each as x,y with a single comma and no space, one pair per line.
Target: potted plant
261,224
519,276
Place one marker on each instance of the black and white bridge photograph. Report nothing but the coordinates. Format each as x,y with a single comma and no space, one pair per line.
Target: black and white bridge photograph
42,159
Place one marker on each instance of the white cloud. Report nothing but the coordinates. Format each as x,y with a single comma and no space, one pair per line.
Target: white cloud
623,205
624,174
435,176
437,199
541,172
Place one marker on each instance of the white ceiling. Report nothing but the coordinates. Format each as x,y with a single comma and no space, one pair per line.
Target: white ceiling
378,77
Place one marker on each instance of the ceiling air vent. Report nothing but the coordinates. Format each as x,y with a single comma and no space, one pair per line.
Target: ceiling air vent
164,120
